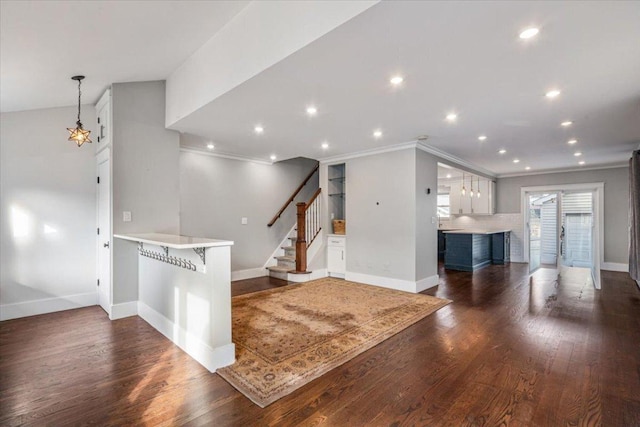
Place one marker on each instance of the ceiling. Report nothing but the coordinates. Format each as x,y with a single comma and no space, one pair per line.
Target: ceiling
44,43
464,57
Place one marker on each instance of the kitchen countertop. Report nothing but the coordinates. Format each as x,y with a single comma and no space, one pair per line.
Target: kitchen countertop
174,241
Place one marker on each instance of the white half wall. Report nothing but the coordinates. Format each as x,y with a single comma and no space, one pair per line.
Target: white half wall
48,220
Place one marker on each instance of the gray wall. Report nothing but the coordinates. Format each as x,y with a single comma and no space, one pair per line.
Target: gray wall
47,205
381,215
426,208
616,201
216,192
145,176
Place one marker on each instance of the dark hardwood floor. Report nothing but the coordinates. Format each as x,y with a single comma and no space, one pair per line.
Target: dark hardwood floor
510,350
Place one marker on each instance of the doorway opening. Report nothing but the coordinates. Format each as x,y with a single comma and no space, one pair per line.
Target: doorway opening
563,227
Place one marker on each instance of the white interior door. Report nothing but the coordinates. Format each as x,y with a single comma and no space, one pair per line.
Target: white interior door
104,230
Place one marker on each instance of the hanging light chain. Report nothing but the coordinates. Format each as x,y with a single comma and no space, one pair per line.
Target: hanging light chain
79,98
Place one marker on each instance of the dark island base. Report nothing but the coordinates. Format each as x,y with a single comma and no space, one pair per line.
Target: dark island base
470,252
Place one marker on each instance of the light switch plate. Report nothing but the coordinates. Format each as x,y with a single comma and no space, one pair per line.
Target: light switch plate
244,221
126,216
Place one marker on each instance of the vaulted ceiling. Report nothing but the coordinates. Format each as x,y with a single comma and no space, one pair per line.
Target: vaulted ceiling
455,57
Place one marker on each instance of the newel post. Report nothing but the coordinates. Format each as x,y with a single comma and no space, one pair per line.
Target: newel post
301,243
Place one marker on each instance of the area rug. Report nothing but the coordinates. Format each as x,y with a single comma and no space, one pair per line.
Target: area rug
288,336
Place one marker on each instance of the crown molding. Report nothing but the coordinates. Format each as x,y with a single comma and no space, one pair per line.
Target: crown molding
578,169
370,152
457,161
225,156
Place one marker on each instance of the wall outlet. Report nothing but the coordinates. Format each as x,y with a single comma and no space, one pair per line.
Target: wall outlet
126,216
244,221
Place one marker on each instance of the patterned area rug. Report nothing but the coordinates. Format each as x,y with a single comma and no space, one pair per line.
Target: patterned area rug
288,336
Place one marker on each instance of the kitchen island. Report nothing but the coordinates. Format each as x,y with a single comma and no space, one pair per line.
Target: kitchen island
184,291
470,250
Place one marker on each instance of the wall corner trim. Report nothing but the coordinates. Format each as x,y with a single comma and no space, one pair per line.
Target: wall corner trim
47,305
427,283
122,310
391,283
210,358
249,273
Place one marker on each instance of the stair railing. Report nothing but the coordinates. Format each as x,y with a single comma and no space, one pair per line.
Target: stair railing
293,196
309,224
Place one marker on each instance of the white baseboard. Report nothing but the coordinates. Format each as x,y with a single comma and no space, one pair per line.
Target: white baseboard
210,358
391,283
319,273
249,273
615,266
47,305
122,310
427,283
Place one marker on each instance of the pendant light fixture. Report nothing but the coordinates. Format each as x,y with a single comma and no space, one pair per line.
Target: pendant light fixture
78,134
471,192
478,187
464,190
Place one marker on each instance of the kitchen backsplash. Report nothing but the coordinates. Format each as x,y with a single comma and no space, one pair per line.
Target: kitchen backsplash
493,222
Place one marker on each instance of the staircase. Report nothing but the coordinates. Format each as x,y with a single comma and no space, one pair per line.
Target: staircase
285,263
292,265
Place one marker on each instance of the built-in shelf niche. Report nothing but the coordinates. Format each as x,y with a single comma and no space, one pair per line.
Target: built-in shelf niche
337,193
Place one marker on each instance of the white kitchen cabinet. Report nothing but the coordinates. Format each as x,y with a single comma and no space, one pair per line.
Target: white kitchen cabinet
102,135
336,256
467,205
483,205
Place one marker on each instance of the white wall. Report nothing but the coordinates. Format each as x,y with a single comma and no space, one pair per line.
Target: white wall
616,202
381,215
216,193
145,160
48,213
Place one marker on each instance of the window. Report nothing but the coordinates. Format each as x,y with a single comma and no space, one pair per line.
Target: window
443,206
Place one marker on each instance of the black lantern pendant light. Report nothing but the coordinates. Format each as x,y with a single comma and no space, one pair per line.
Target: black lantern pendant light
78,134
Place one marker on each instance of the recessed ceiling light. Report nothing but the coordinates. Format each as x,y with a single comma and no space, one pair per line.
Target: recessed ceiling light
312,111
452,117
210,146
273,157
552,93
258,129
516,160
528,33
566,123
448,175
502,151
377,133
581,162
396,80
482,137
325,145
527,168
572,141
577,154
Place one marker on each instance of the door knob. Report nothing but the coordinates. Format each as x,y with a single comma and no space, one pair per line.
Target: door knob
106,245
